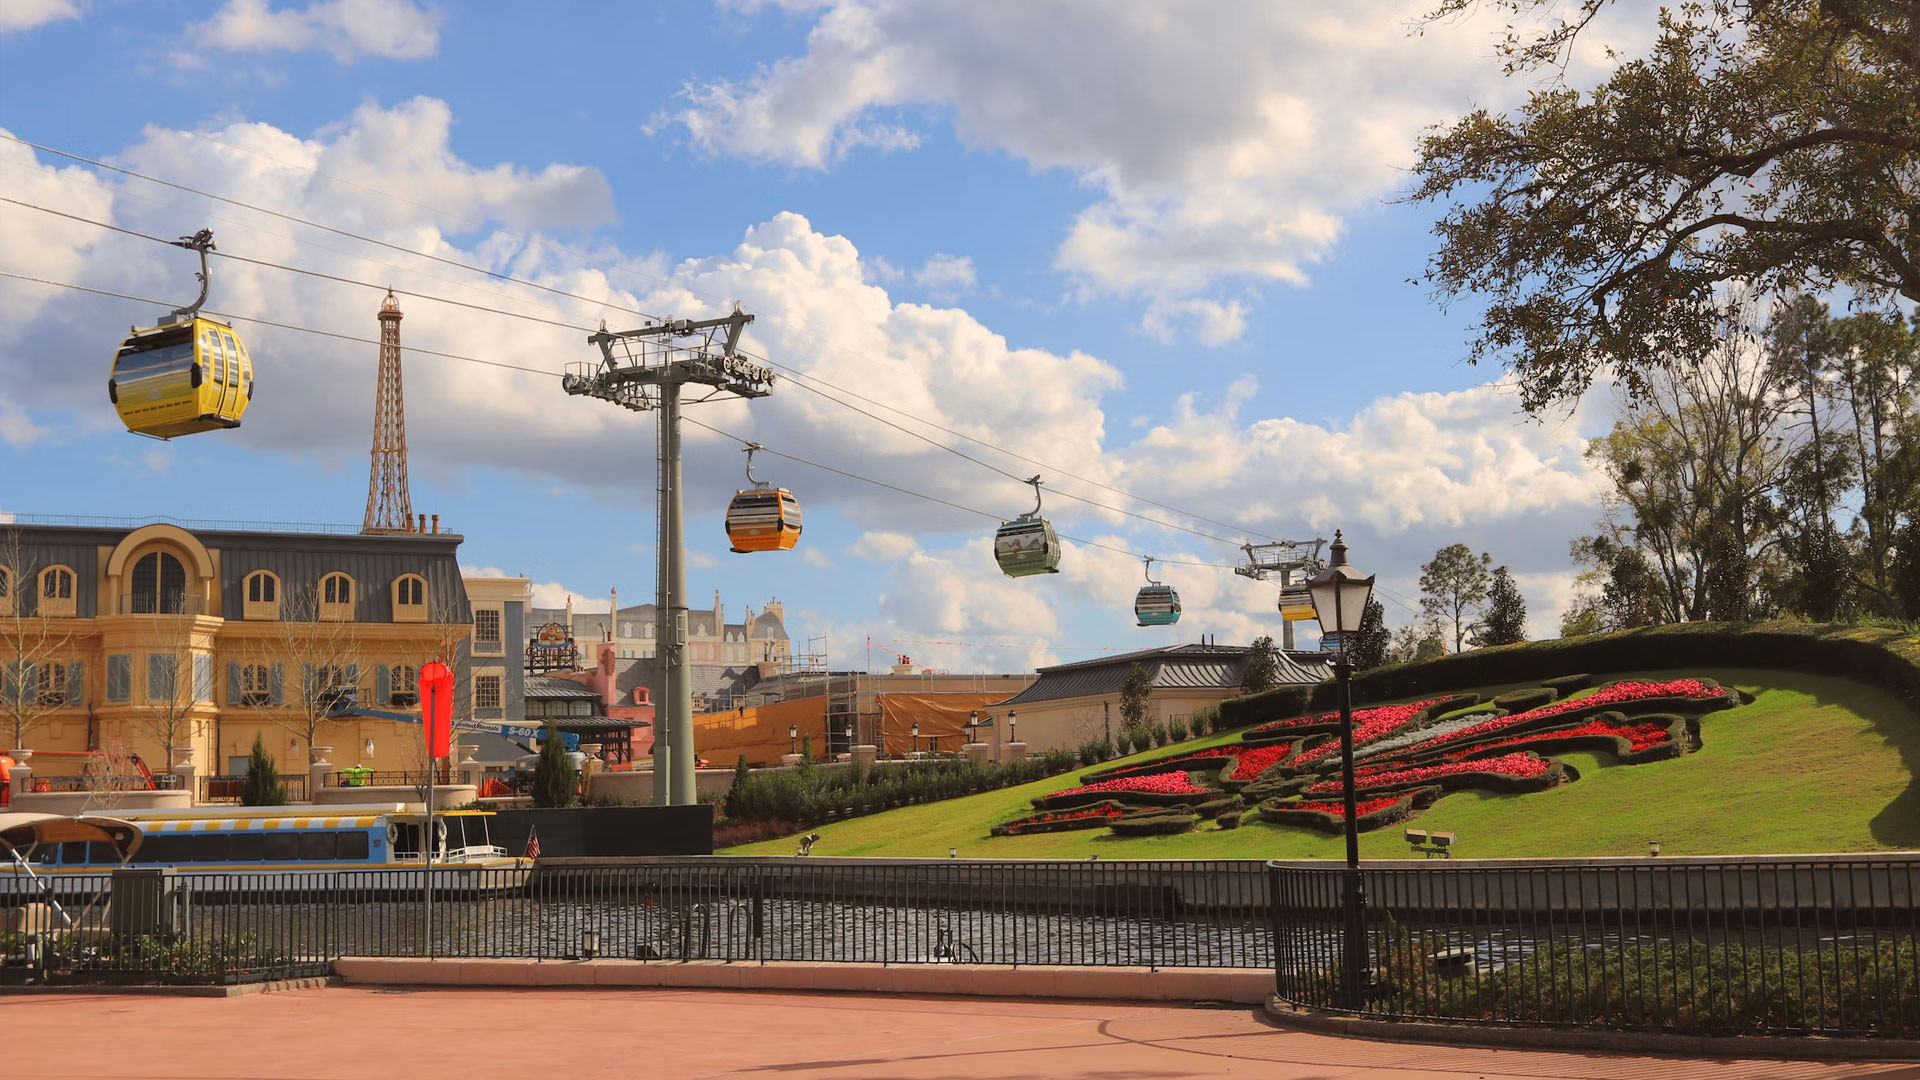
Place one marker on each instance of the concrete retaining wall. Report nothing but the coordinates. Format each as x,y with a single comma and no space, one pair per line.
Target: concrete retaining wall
1243,985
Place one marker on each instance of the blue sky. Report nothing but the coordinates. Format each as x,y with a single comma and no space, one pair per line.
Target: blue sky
1154,247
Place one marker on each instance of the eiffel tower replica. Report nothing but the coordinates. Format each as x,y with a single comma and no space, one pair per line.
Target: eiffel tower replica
389,508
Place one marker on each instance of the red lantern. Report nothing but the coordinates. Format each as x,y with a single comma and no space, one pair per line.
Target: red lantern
436,708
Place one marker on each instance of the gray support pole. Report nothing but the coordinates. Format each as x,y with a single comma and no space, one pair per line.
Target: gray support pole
1286,625
680,704
663,605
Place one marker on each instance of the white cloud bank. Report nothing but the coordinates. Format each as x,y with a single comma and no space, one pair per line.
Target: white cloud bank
1226,139
1404,475
21,15
345,30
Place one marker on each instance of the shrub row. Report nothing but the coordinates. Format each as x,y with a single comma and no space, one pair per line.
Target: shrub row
808,795
1883,657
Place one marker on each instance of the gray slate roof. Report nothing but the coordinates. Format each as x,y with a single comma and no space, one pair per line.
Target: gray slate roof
548,687
1183,667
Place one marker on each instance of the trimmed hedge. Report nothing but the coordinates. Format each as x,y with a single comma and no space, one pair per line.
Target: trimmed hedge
1682,731
1568,685
1515,701
1889,659
1154,823
1283,814
1063,820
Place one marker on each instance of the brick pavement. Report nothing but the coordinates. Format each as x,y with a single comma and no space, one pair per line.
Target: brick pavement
357,1033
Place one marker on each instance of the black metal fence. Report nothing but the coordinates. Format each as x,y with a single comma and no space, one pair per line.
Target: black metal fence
226,787
1828,946
1149,914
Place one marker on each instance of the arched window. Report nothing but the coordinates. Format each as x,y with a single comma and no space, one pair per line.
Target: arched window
56,591
336,598
262,598
158,585
409,598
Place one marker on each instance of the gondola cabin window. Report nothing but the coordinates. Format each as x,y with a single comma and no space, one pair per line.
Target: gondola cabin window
336,598
56,591
262,597
410,598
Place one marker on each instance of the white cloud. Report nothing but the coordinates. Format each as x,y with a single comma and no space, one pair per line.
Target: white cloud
947,274
1404,475
1208,322
1224,139
346,30
19,15
548,594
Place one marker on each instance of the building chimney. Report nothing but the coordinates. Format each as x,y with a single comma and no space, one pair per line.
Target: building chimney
436,524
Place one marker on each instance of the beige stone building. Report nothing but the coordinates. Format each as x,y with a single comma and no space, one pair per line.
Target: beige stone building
162,641
1071,704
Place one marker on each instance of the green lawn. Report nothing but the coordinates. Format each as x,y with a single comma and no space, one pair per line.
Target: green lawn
1815,764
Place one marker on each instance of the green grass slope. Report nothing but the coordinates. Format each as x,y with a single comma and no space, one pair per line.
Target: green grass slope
1815,764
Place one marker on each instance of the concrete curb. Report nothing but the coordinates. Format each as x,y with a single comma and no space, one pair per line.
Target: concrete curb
1248,986
237,990
1787,1047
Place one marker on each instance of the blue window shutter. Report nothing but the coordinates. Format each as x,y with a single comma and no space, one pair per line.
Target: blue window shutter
120,677
76,687
233,683
382,685
306,686
276,685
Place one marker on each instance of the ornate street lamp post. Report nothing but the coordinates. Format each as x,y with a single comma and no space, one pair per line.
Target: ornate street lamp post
1340,598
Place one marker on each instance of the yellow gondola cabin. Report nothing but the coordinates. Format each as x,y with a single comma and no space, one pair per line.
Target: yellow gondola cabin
181,378
188,374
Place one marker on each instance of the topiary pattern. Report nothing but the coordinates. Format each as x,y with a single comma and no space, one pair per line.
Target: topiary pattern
1406,757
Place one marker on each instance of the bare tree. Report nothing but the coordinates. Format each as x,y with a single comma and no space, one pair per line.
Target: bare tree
37,675
165,713
303,666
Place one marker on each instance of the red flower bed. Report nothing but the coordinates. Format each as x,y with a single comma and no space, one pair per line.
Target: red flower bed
1368,725
1167,783
1617,694
1639,737
1092,816
1521,765
1254,760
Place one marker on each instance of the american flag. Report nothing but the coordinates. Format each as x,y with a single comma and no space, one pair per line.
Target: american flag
533,843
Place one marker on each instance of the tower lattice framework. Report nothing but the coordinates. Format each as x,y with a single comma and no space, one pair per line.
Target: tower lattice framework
389,508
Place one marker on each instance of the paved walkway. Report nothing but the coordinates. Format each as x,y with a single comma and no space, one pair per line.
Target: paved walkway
351,1033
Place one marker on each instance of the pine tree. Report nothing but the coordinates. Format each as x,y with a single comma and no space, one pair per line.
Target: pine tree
555,780
1505,622
1370,643
262,786
1263,666
1134,695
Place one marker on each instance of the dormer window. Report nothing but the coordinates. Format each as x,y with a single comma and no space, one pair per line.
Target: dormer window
410,598
56,591
262,596
336,598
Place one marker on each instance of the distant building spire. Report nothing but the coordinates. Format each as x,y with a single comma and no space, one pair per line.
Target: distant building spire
389,507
